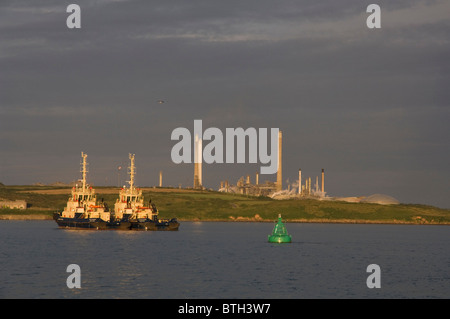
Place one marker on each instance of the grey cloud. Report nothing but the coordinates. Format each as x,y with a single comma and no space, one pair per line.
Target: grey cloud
355,101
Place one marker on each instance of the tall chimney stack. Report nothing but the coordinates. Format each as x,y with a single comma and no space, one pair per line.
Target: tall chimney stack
279,172
160,178
300,181
198,162
323,181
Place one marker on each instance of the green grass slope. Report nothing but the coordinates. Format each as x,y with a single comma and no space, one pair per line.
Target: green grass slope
208,206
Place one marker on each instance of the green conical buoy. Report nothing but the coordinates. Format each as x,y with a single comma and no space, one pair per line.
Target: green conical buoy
279,233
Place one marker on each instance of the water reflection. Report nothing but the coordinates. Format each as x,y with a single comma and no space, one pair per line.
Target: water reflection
225,260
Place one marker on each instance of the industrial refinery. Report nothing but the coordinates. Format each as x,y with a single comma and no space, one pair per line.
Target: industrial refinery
275,189
267,188
306,187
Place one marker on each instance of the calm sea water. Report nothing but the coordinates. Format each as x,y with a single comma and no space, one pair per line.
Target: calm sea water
225,260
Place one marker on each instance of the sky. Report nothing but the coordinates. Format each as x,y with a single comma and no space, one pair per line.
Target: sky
370,106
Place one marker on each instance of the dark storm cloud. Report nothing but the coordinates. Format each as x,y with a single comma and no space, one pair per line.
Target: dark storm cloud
365,104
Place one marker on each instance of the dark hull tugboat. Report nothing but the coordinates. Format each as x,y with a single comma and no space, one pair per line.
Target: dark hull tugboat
82,210
130,211
81,223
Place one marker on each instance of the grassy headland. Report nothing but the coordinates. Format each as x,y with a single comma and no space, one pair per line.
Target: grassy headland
214,206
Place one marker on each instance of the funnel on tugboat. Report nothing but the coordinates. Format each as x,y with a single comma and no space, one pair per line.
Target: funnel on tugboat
279,233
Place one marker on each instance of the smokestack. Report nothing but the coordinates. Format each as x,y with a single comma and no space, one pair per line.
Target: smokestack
300,181
309,185
279,172
198,162
160,178
195,162
257,178
323,181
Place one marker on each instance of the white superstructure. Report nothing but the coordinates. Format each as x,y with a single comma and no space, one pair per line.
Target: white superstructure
130,203
82,202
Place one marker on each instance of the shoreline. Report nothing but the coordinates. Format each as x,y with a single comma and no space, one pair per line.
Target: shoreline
255,220
318,221
26,217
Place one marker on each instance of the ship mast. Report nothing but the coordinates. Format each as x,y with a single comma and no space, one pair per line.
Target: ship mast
132,171
84,169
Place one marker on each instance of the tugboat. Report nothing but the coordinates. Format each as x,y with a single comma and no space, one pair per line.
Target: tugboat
130,211
82,210
279,233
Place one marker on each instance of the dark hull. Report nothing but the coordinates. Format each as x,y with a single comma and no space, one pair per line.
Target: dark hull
82,223
119,225
98,224
152,225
